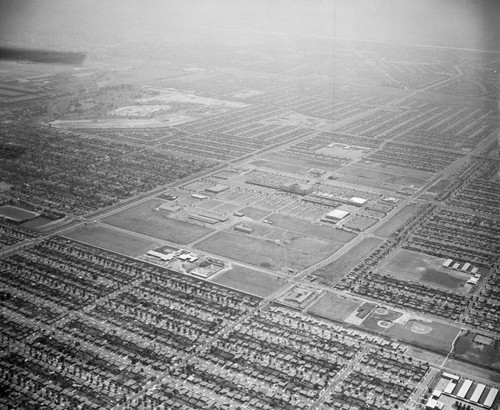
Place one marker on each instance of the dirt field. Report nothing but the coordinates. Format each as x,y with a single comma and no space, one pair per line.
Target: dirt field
433,335
143,218
335,307
397,221
339,267
111,239
308,228
414,266
298,252
249,280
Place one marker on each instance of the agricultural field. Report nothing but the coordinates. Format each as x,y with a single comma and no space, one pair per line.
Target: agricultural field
144,218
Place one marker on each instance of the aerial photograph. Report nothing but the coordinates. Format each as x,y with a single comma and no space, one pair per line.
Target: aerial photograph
250,204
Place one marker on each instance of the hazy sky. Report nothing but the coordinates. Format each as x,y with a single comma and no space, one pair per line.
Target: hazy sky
75,23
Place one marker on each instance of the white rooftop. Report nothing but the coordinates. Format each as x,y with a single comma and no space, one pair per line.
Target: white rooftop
337,214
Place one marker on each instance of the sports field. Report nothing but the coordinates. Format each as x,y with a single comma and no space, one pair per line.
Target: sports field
307,228
298,251
415,266
339,267
144,218
111,239
432,335
249,280
333,306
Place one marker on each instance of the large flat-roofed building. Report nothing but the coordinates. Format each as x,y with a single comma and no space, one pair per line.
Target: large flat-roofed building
336,215
492,395
356,201
464,389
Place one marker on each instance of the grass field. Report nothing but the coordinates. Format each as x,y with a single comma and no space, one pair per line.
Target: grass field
111,239
466,348
414,266
143,218
249,280
336,307
397,221
432,335
307,228
298,251
339,267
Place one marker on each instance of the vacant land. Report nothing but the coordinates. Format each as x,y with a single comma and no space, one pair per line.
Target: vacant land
339,267
336,307
307,228
112,240
470,350
145,219
397,221
298,252
432,335
249,280
419,267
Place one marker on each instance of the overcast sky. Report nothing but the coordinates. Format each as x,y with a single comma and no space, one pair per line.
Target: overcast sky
80,23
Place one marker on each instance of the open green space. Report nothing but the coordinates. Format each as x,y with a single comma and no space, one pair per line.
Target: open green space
144,218
249,280
339,267
436,336
296,251
333,306
414,266
397,221
380,319
111,239
468,347
311,229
